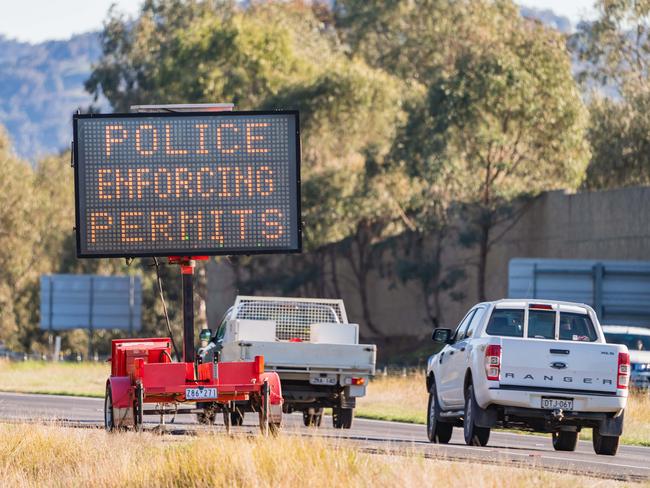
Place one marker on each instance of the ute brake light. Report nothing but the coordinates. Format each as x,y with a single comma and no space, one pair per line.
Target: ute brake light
493,362
623,371
540,306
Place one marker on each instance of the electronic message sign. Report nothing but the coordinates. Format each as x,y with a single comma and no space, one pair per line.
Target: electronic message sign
188,184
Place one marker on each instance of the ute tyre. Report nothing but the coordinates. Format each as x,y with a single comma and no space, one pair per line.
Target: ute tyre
312,419
565,440
109,417
474,435
437,432
605,445
342,417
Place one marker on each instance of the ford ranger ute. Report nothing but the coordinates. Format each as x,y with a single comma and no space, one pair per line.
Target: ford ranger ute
542,366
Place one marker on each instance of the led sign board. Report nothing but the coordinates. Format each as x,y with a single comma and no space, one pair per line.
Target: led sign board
190,184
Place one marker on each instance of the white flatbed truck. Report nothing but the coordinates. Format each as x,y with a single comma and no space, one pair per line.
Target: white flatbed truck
309,343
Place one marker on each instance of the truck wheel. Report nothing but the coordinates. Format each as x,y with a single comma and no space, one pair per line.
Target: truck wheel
565,440
342,417
474,435
109,418
607,445
312,419
437,432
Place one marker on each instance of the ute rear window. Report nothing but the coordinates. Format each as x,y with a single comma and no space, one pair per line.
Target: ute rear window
576,327
541,324
506,323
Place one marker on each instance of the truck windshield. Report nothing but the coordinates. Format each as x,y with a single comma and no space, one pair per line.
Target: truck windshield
507,323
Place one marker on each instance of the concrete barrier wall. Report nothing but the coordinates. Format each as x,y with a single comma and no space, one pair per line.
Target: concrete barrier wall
611,224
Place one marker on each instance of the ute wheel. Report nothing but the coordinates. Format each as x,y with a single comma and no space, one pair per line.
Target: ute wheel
565,440
237,417
109,418
474,435
342,417
138,405
606,445
437,432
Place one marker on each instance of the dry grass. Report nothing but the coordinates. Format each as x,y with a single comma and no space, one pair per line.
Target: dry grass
404,398
51,456
79,379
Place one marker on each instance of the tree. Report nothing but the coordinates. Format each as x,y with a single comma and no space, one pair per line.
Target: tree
508,121
615,51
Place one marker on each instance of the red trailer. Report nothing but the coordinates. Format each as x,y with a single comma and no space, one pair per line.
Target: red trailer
142,371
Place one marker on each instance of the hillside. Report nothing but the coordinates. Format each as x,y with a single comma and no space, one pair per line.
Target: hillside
41,85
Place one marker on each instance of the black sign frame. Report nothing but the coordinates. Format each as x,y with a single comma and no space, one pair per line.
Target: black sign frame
186,252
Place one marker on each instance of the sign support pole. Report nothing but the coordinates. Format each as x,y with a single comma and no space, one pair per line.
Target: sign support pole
187,271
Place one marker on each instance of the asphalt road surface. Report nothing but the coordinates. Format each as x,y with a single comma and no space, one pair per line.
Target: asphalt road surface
631,463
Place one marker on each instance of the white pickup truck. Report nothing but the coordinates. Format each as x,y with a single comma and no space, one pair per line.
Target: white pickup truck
311,346
538,365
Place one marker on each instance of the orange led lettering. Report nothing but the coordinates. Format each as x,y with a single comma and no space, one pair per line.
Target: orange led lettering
156,183
169,150
218,233
102,183
276,229
246,179
95,226
242,221
264,183
140,181
110,138
231,149
199,182
186,220
183,180
201,149
251,138
129,226
224,181
160,222
154,140
123,181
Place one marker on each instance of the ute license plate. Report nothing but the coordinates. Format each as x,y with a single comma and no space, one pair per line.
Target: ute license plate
555,403
200,393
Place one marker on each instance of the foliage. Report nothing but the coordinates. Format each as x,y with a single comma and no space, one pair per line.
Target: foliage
615,49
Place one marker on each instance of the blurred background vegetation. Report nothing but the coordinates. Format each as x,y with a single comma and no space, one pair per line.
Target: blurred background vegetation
426,124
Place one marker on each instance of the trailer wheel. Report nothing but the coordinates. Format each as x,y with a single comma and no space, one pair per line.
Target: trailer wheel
138,405
109,418
342,417
207,416
227,419
266,425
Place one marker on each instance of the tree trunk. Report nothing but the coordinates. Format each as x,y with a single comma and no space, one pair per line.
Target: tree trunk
335,276
482,259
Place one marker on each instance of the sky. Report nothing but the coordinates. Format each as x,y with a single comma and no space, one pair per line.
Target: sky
40,20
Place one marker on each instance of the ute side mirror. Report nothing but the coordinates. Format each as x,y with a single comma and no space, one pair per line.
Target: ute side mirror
441,336
205,335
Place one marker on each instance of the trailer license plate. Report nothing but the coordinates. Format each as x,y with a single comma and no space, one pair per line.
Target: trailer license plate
200,393
554,403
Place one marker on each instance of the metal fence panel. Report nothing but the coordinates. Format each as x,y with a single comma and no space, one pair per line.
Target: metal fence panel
619,291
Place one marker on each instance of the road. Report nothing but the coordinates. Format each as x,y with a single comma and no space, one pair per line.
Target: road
631,463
